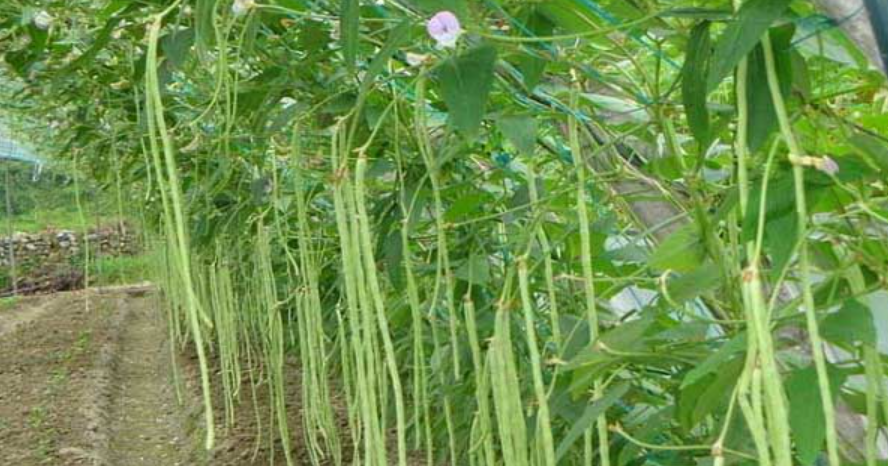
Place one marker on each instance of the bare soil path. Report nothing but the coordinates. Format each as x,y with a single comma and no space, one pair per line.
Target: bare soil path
145,416
85,379
30,309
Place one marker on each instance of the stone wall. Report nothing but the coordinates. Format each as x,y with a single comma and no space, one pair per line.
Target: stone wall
58,246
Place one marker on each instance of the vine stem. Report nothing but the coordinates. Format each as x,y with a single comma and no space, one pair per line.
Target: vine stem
796,152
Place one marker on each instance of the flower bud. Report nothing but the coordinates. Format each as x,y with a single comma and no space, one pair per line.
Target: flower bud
242,7
43,20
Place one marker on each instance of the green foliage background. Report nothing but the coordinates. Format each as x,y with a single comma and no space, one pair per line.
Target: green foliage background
585,235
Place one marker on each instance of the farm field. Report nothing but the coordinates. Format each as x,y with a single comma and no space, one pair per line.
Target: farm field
87,379
444,232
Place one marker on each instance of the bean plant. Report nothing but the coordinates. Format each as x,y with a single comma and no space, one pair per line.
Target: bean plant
496,232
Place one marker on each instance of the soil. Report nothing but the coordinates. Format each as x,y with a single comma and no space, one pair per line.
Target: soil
86,379
50,373
146,424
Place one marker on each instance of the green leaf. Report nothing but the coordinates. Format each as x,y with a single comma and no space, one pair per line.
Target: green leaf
779,202
313,37
532,69
458,7
533,62
629,336
852,323
475,270
521,131
176,46
806,420
695,283
710,14
762,117
589,416
781,238
467,205
741,36
682,251
466,82
715,361
872,149
693,82
698,400
349,24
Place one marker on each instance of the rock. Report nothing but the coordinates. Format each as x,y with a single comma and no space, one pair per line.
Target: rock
73,453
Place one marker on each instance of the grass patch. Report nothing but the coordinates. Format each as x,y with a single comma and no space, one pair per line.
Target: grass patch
119,270
8,303
58,218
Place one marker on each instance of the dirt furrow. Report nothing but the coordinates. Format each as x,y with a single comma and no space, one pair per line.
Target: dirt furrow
146,425
30,309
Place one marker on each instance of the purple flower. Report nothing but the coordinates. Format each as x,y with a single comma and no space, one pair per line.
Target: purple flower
444,27
828,166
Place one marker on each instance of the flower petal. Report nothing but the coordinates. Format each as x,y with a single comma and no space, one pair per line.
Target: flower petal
445,28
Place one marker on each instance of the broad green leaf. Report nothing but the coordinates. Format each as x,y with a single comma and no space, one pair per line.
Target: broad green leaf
741,36
700,399
475,270
176,46
806,420
296,5
629,336
762,117
466,82
591,413
568,15
458,7
349,24
873,149
532,69
781,238
715,361
801,79
646,429
467,205
532,63
594,367
689,285
520,130
576,331
850,324
693,82
779,202
682,251
313,37
823,255
707,14
625,338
